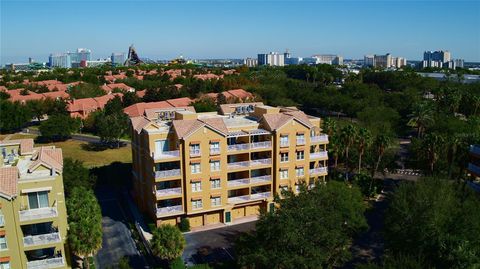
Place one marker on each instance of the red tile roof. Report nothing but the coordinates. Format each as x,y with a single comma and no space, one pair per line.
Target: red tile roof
179,102
8,181
141,94
138,109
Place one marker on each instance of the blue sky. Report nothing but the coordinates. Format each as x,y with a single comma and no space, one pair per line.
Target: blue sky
237,29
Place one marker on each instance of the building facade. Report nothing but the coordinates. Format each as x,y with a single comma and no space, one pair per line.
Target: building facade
61,60
33,218
80,55
329,59
272,59
384,61
219,167
474,165
440,59
118,59
250,62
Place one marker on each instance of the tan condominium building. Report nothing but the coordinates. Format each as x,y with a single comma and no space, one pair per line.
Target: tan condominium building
33,217
474,165
219,167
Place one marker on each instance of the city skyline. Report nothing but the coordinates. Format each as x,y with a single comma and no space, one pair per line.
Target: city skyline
233,29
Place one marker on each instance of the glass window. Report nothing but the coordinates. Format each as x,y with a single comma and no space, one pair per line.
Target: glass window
284,140
214,165
300,155
216,201
300,139
3,243
38,199
196,186
195,149
215,147
4,265
215,183
284,157
299,171
197,204
195,168
284,174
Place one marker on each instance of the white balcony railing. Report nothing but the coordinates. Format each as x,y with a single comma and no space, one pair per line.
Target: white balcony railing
300,141
170,191
41,239
167,173
238,182
261,145
247,198
260,195
2,220
260,162
195,152
319,138
319,155
261,179
169,210
237,165
46,263
38,213
475,149
237,147
474,168
214,151
318,170
166,154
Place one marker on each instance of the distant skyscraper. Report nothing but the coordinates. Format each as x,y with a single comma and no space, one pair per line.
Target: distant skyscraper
384,61
250,62
118,58
62,60
329,59
369,60
80,55
272,59
440,59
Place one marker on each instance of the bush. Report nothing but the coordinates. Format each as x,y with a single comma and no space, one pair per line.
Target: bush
368,185
184,225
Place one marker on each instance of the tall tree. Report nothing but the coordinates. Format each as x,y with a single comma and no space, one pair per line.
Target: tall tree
112,127
85,223
167,242
380,144
432,145
59,127
76,175
421,117
13,116
348,135
364,139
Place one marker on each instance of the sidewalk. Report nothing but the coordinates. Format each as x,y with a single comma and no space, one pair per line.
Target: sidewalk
222,225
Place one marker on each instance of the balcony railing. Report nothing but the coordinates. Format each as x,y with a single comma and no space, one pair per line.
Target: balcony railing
170,191
38,213
284,143
319,155
261,145
261,179
2,220
238,182
300,141
167,173
166,154
318,170
195,152
319,138
169,210
214,151
260,162
475,149
237,165
260,195
238,147
247,198
46,263
41,239
474,168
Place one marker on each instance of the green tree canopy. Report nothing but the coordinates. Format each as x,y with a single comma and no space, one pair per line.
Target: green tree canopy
59,127
76,175
13,116
85,90
167,242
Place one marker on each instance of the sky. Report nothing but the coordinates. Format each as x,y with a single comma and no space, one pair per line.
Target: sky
238,29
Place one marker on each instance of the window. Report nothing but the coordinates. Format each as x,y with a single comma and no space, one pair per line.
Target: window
214,165
195,168
3,243
284,157
195,149
197,204
215,183
214,147
196,186
283,188
38,199
216,201
300,139
4,265
300,155
299,171
284,174
284,140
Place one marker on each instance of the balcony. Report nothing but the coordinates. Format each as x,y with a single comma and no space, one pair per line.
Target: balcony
319,155
167,173
300,141
475,149
46,263
38,213
261,162
319,139
261,145
260,195
41,239
261,179
238,147
238,165
2,220
248,198
318,171
474,169
195,152
169,192
163,155
169,210
214,151
238,182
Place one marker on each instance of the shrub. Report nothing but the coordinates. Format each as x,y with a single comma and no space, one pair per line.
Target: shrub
184,225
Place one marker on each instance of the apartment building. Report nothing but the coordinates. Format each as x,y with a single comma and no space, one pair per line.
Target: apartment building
219,167
33,217
474,165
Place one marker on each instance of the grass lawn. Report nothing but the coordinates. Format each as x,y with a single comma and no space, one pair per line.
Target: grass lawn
80,151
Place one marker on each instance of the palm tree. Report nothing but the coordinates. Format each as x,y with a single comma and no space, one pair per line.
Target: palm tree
334,148
329,126
453,143
364,139
347,136
421,118
431,144
381,143
475,103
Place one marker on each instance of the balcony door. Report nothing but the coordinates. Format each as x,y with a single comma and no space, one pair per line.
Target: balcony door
38,199
161,145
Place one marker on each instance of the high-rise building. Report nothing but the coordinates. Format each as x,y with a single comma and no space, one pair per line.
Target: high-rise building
459,63
62,60
437,56
369,60
33,217
80,55
118,59
217,168
474,165
440,59
398,62
329,59
250,62
384,61
272,59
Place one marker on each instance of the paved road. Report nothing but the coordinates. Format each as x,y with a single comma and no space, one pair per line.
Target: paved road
117,239
78,137
213,245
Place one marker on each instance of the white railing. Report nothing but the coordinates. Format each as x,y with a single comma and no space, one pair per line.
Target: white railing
237,165
284,143
166,154
167,173
260,162
214,151
238,182
318,170
38,213
170,191
41,239
474,168
319,138
261,179
195,152
2,220
169,210
236,147
475,149
247,198
46,263
260,195
318,155
261,145
300,141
